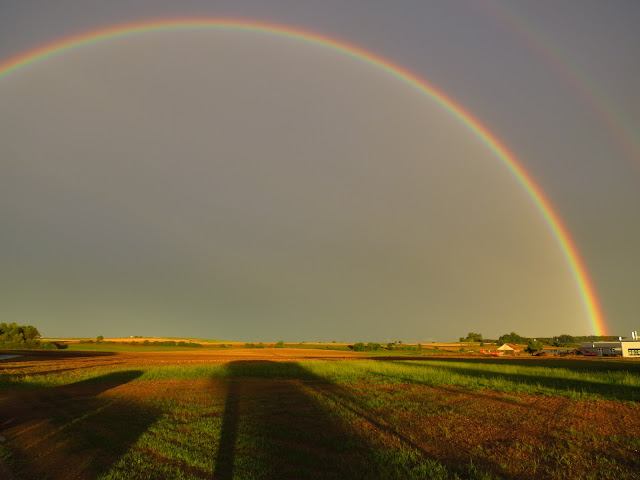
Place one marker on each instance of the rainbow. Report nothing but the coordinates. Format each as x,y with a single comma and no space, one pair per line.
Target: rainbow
559,231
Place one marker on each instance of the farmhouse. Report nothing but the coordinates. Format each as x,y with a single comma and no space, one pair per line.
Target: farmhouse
508,349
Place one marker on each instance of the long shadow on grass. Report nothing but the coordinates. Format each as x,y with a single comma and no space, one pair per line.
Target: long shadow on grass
579,364
282,421
72,430
555,383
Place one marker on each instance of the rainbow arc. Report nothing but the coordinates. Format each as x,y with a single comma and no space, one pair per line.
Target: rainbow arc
508,159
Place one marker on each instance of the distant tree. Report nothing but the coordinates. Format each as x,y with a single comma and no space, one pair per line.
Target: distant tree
31,333
99,339
390,346
373,346
512,338
280,344
359,347
13,335
533,346
564,340
472,337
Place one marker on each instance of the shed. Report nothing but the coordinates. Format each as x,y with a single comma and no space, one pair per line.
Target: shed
508,349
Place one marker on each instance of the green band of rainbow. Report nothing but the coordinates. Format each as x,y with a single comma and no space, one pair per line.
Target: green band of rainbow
559,231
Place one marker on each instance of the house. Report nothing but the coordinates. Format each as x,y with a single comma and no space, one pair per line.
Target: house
508,349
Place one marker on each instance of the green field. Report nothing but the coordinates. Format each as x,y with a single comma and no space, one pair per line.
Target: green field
432,418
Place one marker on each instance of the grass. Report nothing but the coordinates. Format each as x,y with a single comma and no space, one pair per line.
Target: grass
580,380
427,418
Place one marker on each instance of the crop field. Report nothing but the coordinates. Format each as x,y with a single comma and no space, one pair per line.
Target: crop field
304,413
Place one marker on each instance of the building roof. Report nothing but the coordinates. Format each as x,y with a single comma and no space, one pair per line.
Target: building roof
508,346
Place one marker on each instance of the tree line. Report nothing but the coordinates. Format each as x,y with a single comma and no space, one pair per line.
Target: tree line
563,340
25,337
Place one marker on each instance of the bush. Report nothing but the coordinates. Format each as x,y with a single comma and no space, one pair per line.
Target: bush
280,344
361,347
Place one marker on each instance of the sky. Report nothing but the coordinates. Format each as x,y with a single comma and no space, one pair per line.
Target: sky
244,186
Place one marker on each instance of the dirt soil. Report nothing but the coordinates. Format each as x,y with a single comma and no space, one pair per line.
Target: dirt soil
39,362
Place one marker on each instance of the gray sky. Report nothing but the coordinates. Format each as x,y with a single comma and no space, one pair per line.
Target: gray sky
248,187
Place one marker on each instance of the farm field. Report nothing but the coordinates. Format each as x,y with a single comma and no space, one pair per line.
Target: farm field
305,413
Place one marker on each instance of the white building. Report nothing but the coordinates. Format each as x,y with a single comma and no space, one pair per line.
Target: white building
630,348
627,347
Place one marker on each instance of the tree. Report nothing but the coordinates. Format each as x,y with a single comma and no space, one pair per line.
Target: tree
99,338
31,333
533,346
564,340
280,344
472,337
511,338
22,336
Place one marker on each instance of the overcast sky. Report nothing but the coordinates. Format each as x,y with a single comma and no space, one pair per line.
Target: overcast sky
242,186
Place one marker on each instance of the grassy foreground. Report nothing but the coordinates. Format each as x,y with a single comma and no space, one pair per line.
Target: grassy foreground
435,418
